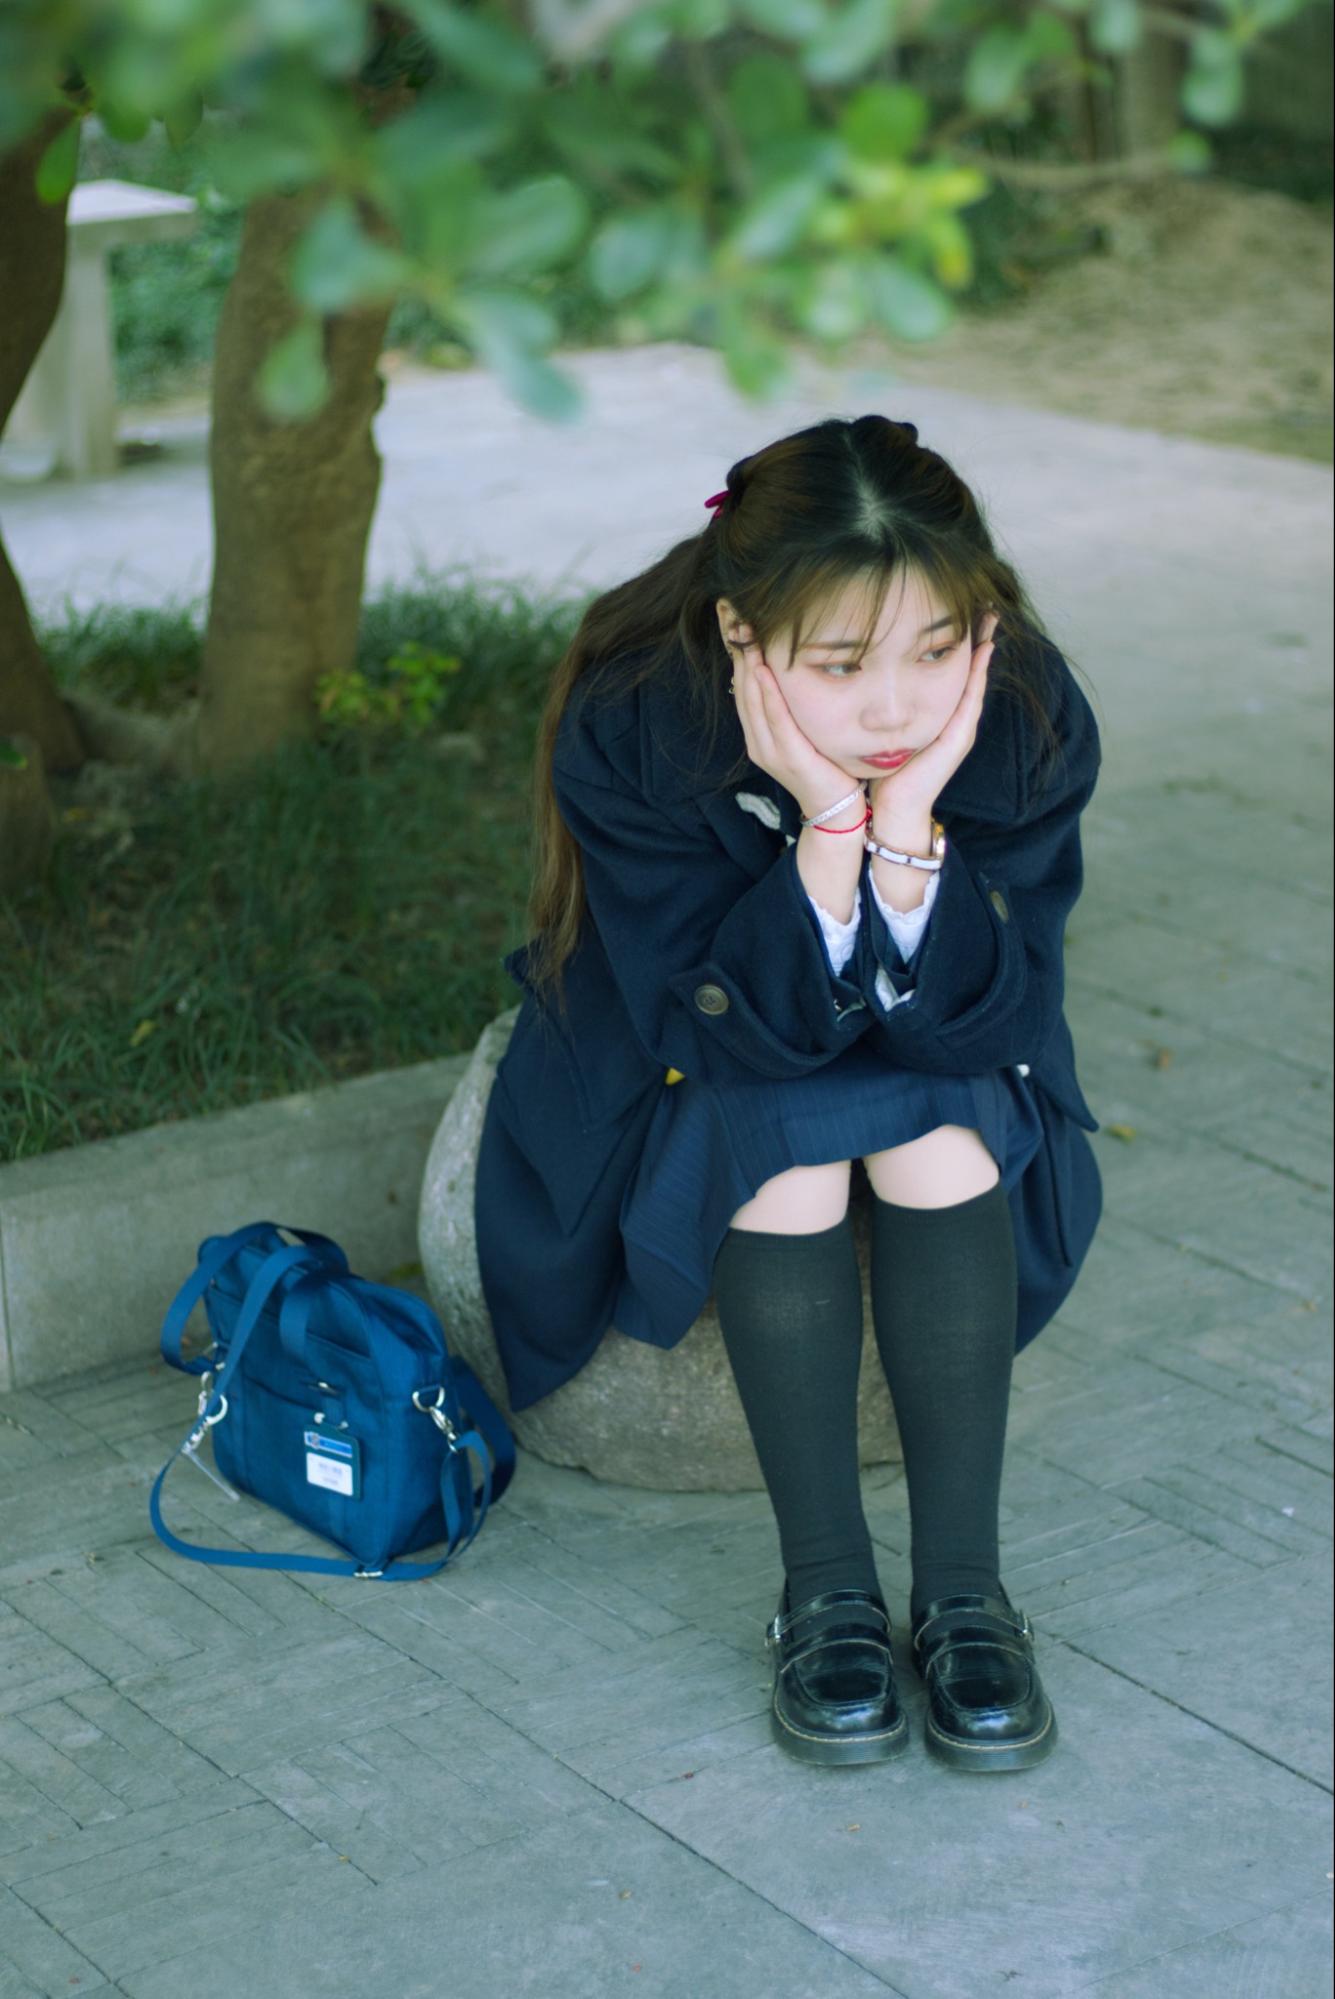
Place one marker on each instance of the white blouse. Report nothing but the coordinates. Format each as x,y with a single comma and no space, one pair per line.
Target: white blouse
906,927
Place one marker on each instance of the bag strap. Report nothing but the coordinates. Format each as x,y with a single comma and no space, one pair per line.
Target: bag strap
468,1515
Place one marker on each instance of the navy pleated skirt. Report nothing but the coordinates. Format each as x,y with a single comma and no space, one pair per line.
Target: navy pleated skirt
711,1147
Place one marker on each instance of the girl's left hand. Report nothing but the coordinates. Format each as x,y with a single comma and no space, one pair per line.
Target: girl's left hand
906,796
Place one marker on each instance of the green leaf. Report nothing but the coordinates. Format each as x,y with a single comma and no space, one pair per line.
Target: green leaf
1115,26
830,301
1214,86
336,265
11,756
785,20
1190,153
905,302
848,40
629,250
293,382
696,19
996,69
245,162
766,97
530,227
58,166
428,143
757,364
481,48
183,120
776,219
510,331
884,121
123,123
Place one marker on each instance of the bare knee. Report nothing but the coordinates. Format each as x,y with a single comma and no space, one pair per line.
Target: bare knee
801,1201
938,1170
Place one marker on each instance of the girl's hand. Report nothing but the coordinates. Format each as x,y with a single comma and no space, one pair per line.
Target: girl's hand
776,742
906,796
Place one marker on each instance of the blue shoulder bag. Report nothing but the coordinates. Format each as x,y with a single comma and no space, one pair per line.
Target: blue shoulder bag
335,1400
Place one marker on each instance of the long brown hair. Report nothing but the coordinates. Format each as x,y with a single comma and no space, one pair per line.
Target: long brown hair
843,499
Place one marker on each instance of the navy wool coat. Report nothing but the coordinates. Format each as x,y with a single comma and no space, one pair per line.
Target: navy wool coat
701,952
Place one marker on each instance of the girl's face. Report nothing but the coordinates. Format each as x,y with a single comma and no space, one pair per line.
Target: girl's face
899,697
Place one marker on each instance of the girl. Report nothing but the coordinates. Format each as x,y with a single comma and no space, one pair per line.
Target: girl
806,852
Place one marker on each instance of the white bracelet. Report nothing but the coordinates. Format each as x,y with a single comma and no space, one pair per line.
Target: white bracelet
830,810
914,860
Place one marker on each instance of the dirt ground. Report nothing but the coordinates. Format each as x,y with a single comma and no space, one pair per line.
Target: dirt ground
1208,315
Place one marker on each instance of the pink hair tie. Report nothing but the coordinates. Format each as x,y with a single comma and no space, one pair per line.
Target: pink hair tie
717,499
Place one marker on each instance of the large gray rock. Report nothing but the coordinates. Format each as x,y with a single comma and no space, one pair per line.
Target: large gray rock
634,1414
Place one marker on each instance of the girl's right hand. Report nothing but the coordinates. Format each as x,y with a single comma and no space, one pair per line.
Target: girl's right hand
777,743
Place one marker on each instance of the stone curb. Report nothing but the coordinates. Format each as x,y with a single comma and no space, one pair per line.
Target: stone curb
96,1240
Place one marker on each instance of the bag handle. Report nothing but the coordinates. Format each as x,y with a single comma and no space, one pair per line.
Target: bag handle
213,1258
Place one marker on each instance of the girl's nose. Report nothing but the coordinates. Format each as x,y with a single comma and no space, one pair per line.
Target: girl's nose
887,716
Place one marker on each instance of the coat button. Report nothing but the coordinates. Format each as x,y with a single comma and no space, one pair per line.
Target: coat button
1022,1068
998,902
712,999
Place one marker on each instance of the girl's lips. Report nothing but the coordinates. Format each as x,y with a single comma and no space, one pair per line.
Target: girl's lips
894,757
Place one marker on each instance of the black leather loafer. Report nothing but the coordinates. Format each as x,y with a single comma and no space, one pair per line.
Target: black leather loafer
986,1708
835,1699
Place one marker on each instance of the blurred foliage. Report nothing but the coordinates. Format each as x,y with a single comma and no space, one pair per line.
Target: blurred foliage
739,171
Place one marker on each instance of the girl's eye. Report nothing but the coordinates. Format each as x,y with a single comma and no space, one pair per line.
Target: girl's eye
941,652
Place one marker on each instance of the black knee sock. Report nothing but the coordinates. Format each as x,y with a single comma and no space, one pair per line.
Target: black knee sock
790,1310
944,1304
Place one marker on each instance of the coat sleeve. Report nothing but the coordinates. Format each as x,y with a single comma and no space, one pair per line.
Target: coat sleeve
989,981
724,977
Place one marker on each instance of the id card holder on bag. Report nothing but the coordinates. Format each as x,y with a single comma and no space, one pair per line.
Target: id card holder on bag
334,1463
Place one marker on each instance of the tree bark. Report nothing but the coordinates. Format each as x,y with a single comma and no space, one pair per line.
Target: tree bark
292,505
32,277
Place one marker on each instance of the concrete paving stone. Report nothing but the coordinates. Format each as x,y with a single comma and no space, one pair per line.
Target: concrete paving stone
199,1897
27,1817
1279,1365
1214,1512
1107,1571
1296,1442
1121,1422
35,1762
1276,1956
36,1959
1252,1658
1136,1291
608,1903
1280,928
32,1430
115,1402
1244,1214
429,1637
169,1824
33,1667
944,1885
130,1596
1216,847
1217,986
99,1511
397,1799
601,1606
651,1717
258,1704
121,1747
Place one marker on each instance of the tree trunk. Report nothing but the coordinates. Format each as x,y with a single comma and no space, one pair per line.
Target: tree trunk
32,277
292,505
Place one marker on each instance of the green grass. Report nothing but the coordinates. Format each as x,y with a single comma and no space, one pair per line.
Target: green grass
340,908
